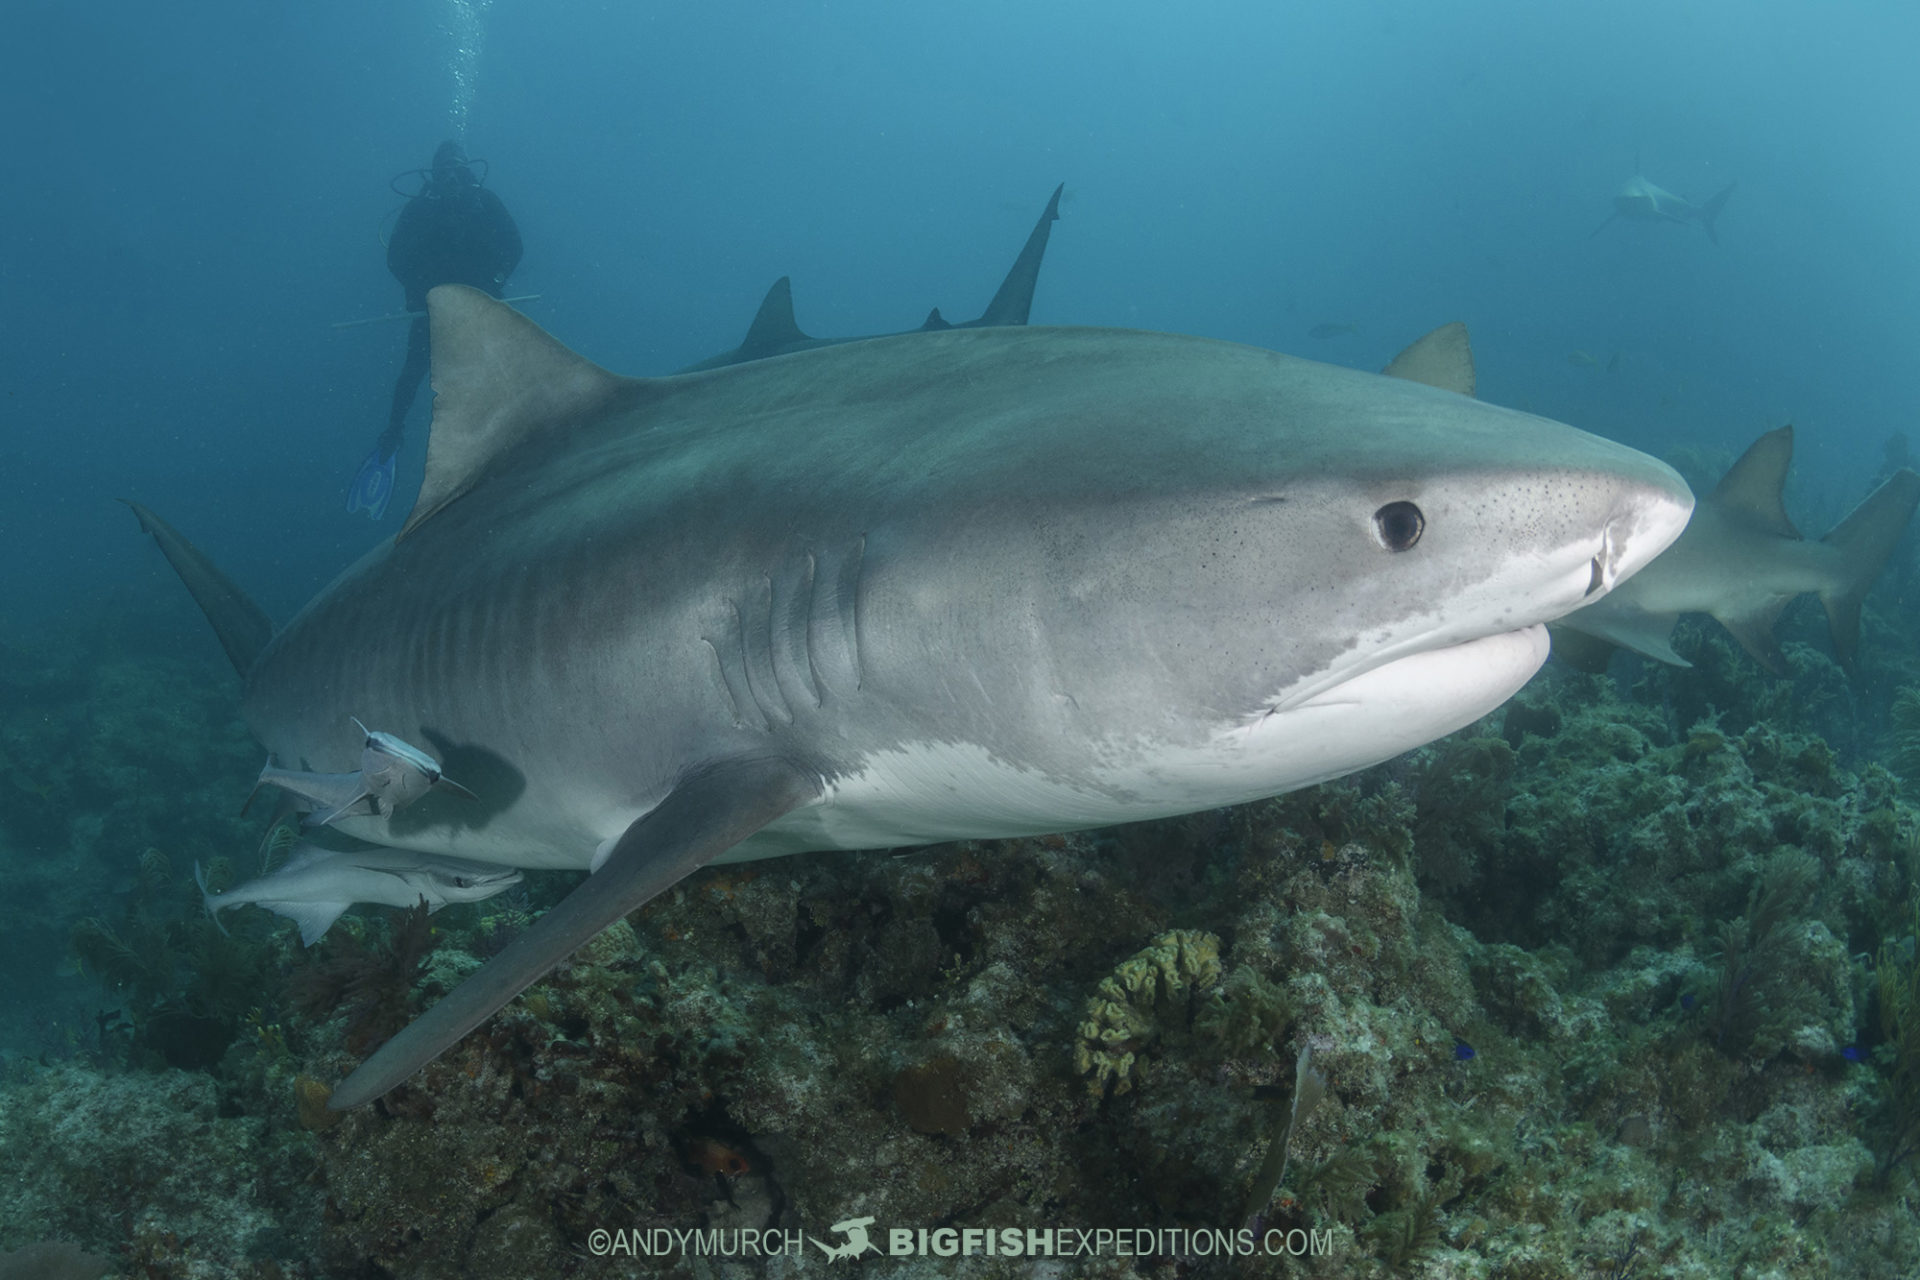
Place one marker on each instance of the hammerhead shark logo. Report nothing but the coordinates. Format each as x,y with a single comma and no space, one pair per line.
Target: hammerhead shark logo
855,1230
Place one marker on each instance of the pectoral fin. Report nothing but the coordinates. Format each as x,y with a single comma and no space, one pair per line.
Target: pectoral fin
704,816
314,918
333,795
1647,634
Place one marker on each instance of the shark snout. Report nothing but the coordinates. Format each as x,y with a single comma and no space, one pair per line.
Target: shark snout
1649,512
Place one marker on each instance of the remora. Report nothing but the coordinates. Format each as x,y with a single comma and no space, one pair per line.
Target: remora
974,583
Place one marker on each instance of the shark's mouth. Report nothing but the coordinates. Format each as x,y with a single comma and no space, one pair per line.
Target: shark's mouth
1443,683
1376,714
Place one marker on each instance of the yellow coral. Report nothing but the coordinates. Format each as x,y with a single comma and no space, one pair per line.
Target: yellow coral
1120,1019
310,1098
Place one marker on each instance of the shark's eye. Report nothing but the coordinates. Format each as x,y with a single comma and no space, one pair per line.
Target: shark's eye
1398,525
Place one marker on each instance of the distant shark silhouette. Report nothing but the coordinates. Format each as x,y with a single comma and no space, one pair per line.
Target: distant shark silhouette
1741,560
1643,200
775,333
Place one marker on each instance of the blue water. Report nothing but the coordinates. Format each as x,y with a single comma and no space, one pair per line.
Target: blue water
196,193
195,196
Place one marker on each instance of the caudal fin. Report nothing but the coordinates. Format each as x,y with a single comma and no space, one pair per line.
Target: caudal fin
240,624
1865,539
206,898
1711,210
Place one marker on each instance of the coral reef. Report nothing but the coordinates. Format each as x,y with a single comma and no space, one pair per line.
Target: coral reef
1619,982
372,986
52,1260
1898,1054
1126,1012
103,755
146,1167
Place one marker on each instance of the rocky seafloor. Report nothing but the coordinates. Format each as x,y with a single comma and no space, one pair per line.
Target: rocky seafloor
1620,982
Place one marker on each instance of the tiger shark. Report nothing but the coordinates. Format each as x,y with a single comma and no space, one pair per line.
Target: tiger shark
774,332
963,584
1642,200
1742,561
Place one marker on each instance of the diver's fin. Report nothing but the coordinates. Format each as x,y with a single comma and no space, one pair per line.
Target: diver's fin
498,380
372,486
701,818
1753,488
242,628
935,322
1711,210
773,327
1444,359
1865,539
1014,300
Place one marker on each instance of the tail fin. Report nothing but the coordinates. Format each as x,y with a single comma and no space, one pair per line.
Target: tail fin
206,899
1864,540
1015,298
1711,210
239,623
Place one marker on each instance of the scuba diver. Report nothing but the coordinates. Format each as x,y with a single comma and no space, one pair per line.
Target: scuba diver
452,231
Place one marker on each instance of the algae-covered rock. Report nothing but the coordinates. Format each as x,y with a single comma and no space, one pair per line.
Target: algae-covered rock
146,1162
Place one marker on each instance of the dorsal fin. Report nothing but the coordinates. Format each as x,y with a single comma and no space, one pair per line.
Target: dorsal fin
935,322
498,378
773,327
1751,490
1013,301
1444,359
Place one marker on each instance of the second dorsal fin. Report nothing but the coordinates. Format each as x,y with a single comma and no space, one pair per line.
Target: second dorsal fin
498,378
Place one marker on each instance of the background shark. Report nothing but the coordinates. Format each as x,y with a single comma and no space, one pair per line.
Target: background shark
959,584
775,333
1742,561
1642,200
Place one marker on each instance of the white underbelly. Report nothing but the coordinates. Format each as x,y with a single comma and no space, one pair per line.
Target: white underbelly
932,791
